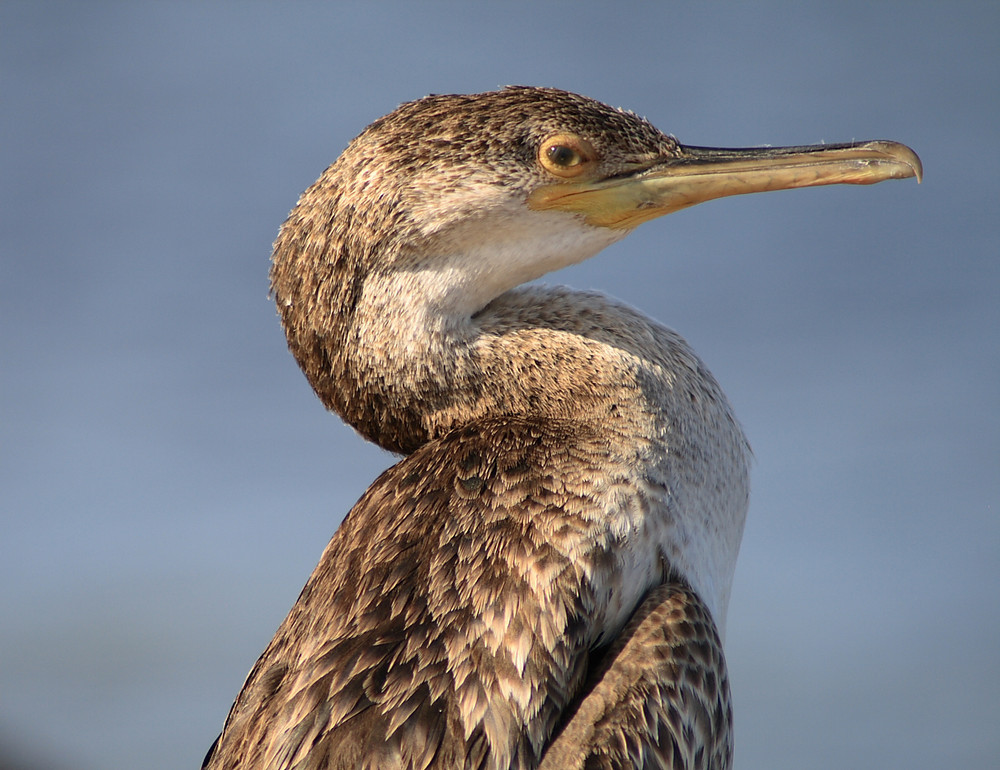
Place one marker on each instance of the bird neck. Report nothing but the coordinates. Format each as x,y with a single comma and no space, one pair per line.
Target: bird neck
406,352
403,365
418,365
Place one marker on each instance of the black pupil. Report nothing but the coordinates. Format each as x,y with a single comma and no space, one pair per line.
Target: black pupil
562,155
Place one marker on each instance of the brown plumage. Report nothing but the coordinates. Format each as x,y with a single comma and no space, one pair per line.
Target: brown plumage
541,581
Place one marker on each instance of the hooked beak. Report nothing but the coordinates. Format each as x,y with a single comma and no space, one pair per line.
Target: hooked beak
700,174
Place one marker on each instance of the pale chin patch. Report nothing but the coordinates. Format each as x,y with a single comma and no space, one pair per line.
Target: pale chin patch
490,256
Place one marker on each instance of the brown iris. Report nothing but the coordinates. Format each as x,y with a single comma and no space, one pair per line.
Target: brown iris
566,155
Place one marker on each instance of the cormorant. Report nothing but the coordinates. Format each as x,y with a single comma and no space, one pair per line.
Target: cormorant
542,579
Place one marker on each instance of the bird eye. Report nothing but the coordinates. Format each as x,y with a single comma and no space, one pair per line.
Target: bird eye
566,156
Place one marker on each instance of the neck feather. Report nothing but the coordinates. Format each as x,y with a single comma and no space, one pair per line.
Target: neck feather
404,372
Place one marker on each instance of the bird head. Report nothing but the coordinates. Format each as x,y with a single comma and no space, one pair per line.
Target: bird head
499,188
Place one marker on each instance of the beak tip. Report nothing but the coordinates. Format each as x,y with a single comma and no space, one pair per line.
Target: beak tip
901,154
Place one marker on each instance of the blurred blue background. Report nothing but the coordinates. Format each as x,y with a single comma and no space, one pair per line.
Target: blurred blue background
168,480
